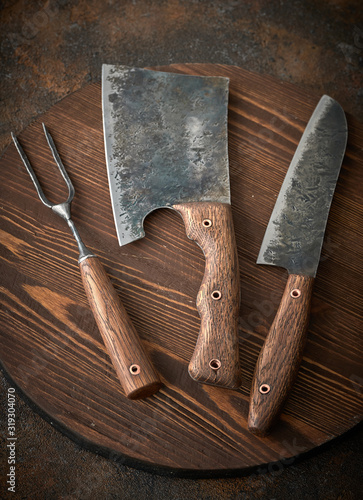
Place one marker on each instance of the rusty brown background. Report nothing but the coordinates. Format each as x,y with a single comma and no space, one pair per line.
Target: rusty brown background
50,49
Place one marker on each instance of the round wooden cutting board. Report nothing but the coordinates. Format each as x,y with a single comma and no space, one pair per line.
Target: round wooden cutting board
50,344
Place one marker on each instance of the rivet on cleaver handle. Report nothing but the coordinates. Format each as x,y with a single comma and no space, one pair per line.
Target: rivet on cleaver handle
293,240
166,146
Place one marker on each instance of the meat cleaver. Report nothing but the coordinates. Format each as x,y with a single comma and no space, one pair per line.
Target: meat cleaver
166,147
293,240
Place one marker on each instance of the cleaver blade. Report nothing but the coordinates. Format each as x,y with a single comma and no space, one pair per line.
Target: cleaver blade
293,240
166,147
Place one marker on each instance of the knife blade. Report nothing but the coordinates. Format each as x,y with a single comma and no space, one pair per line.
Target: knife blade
166,147
293,240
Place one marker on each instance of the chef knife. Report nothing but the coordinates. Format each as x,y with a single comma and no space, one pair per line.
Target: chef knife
166,146
293,240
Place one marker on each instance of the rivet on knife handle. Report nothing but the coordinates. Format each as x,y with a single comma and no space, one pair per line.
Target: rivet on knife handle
281,355
216,356
135,371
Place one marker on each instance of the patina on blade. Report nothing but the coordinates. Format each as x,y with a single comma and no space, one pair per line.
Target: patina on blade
295,233
166,142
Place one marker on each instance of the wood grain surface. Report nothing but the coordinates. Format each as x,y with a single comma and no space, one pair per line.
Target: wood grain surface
134,369
50,344
281,354
215,359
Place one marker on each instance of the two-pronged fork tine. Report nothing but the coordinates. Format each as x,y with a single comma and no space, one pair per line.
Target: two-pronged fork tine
62,209
131,362
59,165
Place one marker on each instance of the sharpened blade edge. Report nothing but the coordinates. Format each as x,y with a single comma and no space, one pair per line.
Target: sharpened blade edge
295,232
123,236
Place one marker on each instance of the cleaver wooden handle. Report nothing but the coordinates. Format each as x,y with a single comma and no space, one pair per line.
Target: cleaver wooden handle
130,360
281,355
216,356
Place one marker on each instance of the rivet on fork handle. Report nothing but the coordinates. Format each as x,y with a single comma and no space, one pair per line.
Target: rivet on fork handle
119,335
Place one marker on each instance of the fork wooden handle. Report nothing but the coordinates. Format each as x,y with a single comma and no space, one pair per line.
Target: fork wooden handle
130,360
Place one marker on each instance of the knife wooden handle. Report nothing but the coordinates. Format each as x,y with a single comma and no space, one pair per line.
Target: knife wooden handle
216,356
281,355
133,367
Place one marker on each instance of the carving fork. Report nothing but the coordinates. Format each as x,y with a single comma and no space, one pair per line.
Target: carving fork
130,360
